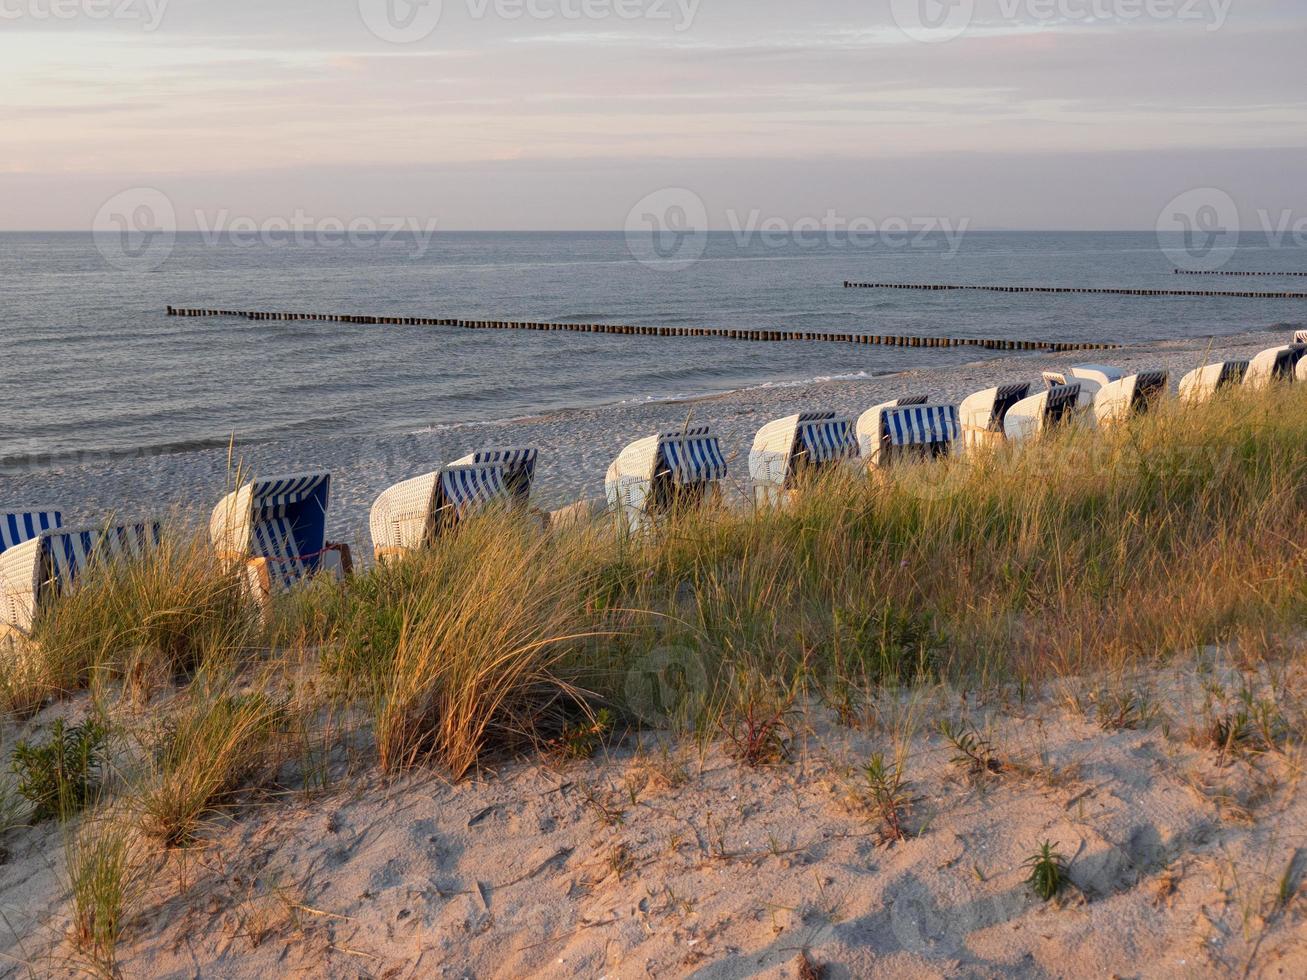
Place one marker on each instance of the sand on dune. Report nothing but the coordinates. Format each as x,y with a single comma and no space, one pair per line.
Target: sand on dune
658,858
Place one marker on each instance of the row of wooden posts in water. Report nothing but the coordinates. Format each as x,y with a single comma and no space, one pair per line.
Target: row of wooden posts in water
888,340
1097,290
1233,272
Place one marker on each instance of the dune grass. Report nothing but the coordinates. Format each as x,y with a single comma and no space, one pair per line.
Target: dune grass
1086,551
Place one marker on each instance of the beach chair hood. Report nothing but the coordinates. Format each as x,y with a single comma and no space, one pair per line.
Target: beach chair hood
678,458
17,526
42,568
282,519
815,439
931,429
517,466
1118,400
1275,364
1202,383
410,514
1034,415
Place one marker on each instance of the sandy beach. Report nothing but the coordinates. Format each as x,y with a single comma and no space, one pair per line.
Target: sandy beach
661,859
575,446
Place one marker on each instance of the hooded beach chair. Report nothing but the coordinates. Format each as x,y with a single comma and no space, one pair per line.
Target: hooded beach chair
518,469
1275,364
669,471
890,433
275,528
1116,401
982,414
37,571
412,514
797,445
17,526
1036,414
1202,383
1300,337
1092,377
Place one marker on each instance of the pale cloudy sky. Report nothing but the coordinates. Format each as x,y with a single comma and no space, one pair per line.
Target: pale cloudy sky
544,114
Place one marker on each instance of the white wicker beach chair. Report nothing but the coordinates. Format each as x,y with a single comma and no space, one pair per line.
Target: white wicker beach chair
1275,364
1116,401
37,571
17,526
1202,383
892,433
275,528
660,473
1300,337
412,514
982,414
1035,415
1092,377
797,444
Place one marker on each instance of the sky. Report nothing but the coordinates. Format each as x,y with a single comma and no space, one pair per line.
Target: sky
566,114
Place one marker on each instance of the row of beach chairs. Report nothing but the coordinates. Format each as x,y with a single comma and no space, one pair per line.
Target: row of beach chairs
274,529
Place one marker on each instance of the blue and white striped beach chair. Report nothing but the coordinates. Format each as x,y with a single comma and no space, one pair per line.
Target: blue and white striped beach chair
797,444
275,528
1202,383
37,571
1300,337
1275,364
1033,416
1117,401
982,414
17,526
892,432
518,468
672,470
412,514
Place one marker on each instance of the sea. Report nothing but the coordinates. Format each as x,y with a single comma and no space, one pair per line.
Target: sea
93,367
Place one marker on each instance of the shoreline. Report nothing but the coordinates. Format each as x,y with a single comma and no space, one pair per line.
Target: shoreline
576,445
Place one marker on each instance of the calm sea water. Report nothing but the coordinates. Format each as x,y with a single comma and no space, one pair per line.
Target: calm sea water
93,367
